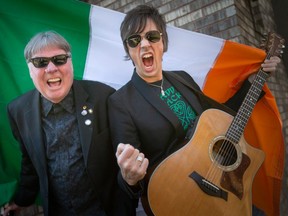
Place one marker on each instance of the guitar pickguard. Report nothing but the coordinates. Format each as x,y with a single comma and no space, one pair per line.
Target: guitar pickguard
233,181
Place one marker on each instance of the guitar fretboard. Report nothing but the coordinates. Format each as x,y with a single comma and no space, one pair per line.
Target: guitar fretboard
239,122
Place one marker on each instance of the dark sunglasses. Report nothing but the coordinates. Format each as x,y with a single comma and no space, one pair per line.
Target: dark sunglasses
41,62
135,39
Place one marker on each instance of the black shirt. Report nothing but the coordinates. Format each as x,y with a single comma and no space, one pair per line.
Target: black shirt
72,192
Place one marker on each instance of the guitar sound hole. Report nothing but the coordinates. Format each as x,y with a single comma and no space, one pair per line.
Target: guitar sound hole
224,152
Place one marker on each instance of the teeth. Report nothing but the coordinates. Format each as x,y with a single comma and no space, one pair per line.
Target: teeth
54,80
147,56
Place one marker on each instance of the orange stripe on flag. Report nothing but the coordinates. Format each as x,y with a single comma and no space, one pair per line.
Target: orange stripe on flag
233,64
264,129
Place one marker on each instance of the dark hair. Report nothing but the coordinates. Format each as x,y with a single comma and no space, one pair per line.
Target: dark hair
45,39
135,22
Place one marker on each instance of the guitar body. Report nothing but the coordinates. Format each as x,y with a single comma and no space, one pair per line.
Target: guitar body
202,178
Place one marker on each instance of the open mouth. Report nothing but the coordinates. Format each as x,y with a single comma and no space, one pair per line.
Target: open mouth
147,60
54,82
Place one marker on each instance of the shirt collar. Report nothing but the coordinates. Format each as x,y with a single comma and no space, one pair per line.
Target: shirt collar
67,103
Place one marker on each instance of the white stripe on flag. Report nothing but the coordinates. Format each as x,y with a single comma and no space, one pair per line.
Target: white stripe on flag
192,52
105,60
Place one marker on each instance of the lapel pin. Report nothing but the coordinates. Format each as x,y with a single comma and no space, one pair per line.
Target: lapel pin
88,122
84,112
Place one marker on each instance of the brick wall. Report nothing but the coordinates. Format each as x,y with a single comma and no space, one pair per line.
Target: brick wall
243,21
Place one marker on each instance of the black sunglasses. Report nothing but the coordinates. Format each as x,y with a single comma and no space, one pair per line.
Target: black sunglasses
41,62
135,39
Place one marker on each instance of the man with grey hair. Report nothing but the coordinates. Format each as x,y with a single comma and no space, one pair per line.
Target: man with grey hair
62,128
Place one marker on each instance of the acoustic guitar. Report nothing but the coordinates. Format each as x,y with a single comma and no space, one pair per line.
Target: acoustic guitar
213,173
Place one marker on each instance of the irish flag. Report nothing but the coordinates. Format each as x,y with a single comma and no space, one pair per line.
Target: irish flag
219,67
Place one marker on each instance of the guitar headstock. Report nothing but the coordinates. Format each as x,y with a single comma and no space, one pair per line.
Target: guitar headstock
273,44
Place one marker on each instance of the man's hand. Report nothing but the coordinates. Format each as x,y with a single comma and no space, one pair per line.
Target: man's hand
269,66
132,163
8,208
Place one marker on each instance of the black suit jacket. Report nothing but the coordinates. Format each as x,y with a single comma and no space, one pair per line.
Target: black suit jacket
25,118
139,117
142,119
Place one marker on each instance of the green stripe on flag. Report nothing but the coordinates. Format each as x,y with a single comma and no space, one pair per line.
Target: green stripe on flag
19,21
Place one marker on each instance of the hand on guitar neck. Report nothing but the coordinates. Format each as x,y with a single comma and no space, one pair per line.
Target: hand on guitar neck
269,66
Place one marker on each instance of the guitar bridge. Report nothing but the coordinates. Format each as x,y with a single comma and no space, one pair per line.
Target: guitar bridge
208,187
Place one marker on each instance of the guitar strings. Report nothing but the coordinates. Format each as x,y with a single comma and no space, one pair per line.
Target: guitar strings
228,146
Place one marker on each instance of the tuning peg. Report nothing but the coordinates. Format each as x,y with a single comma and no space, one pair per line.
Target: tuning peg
262,45
263,39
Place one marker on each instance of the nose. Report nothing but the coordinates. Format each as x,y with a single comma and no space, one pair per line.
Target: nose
144,42
51,67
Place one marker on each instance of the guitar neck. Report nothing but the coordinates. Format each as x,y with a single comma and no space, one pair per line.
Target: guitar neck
239,122
274,44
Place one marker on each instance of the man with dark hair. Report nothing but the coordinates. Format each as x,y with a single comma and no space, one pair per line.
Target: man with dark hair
151,115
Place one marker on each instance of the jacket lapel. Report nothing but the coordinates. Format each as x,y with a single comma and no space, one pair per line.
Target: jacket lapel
156,102
33,126
84,117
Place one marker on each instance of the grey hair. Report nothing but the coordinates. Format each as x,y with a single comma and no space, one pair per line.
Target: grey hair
45,39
